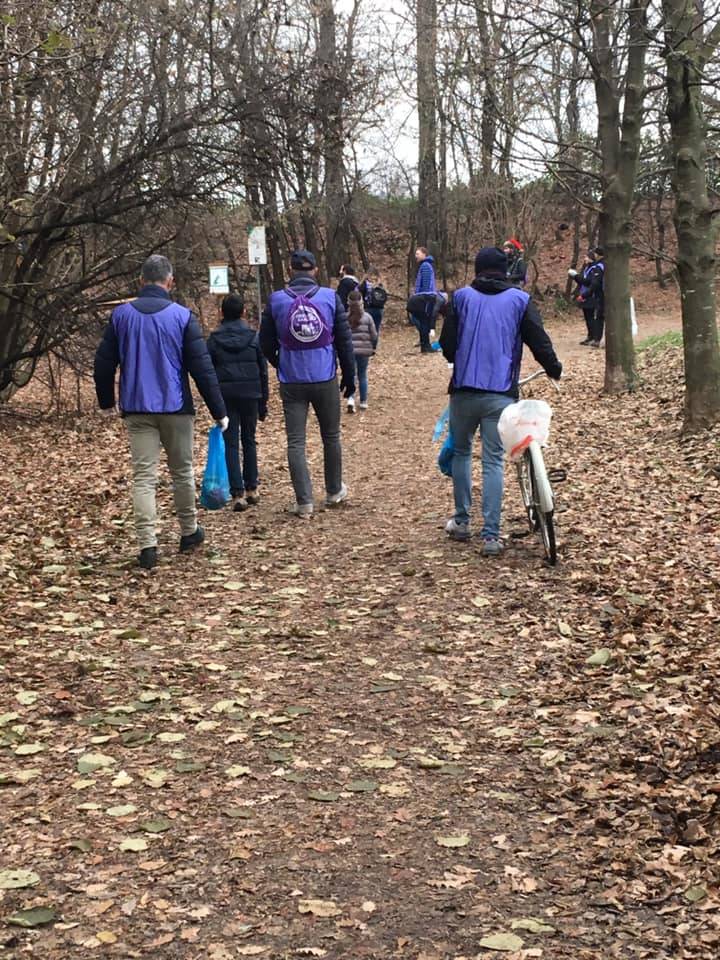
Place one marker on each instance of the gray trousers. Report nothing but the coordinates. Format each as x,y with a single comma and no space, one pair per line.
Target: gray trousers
324,398
149,432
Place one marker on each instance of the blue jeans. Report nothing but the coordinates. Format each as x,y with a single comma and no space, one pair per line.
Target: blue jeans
468,411
361,363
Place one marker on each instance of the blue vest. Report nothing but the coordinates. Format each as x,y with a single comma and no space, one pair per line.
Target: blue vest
306,355
489,344
151,357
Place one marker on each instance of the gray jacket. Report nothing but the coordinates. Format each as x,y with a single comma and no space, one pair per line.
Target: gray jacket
365,337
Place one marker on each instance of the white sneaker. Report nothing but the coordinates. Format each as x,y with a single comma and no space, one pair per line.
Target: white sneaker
335,499
457,531
351,405
302,510
363,405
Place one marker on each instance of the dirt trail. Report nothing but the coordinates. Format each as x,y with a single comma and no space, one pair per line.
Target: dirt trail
349,737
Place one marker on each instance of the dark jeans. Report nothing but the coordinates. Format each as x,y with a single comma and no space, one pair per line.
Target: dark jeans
589,314
598,325
243,416
324,398
377,315
424,325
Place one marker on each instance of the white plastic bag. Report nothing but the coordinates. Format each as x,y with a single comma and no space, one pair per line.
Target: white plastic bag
522,422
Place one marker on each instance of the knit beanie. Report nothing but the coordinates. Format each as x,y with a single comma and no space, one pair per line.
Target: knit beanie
491,261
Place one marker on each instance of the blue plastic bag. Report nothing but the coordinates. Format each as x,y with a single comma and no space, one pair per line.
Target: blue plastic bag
442,424
215,491
445,457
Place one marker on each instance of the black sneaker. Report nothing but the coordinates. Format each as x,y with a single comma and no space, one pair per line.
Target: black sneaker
240,504
192,540
148,558
586,342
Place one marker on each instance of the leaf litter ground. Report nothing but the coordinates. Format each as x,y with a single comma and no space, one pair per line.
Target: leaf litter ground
349,737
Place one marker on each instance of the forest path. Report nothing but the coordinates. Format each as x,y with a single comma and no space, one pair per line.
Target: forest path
350,737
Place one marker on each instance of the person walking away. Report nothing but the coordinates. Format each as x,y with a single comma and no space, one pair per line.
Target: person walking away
303,333
584,295
424,284
374,297
486,325
243,376
517,269
157,343
597,289
348,282
364,340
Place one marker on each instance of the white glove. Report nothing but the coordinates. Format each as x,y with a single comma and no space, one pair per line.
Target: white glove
572,273
109,412
223,424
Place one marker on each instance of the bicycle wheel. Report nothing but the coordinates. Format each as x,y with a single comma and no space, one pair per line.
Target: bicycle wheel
524,473
542,501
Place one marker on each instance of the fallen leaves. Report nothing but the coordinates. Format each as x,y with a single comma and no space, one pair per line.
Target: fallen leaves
319,908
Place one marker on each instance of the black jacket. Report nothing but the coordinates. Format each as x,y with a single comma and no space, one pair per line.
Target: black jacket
196,360
342,337
517,271
240,366
345,288
532,331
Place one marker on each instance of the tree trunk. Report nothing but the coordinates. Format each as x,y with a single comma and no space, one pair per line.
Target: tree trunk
331,97
428,212
619,134
686,57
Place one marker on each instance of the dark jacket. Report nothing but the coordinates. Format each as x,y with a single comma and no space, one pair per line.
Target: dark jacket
240,366
530,331
517,270
342,339
346,287
156,343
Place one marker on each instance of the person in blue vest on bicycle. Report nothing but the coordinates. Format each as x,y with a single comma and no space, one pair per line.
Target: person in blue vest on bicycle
486,325
304,332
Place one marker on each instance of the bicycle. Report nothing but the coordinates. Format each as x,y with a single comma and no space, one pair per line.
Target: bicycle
536,489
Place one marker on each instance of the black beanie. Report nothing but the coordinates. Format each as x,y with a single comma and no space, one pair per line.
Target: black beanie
491,261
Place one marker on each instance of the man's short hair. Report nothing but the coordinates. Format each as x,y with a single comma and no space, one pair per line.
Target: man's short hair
233,306
347,270
156,269
423,250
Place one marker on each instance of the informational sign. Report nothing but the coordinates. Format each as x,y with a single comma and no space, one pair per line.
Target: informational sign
257,251
219,278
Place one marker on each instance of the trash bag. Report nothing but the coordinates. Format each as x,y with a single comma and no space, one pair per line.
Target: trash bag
522,422
215,491
445,457
441,425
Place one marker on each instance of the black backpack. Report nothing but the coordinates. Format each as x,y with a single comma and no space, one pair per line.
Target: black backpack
378,297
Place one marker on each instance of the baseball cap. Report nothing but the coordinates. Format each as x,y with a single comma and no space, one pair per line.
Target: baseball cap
302,260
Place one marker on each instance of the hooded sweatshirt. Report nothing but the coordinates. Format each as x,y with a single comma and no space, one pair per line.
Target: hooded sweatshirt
240,366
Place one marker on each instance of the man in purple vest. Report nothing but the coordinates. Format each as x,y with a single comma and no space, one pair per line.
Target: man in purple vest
485,328
303,333
157,343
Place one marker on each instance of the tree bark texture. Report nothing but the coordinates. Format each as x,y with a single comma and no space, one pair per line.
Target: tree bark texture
686,56
428,214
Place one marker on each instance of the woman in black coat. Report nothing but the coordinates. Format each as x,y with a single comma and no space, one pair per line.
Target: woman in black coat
242,373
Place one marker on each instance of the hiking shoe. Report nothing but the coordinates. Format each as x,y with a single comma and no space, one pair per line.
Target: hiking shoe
148,558
595,343
492,547
252,498
240,504
426,349
335,499
457,531
351,405
586,342
192,540
363,404
303,511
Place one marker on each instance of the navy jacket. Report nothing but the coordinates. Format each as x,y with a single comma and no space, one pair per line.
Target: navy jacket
342,338
502,328
240,366
156,343
346,287
425,279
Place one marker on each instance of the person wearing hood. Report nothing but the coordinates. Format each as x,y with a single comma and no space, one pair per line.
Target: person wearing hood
243,376
348,282
424,301
486,326
516,269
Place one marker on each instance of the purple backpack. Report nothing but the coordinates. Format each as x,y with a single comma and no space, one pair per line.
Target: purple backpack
306,327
